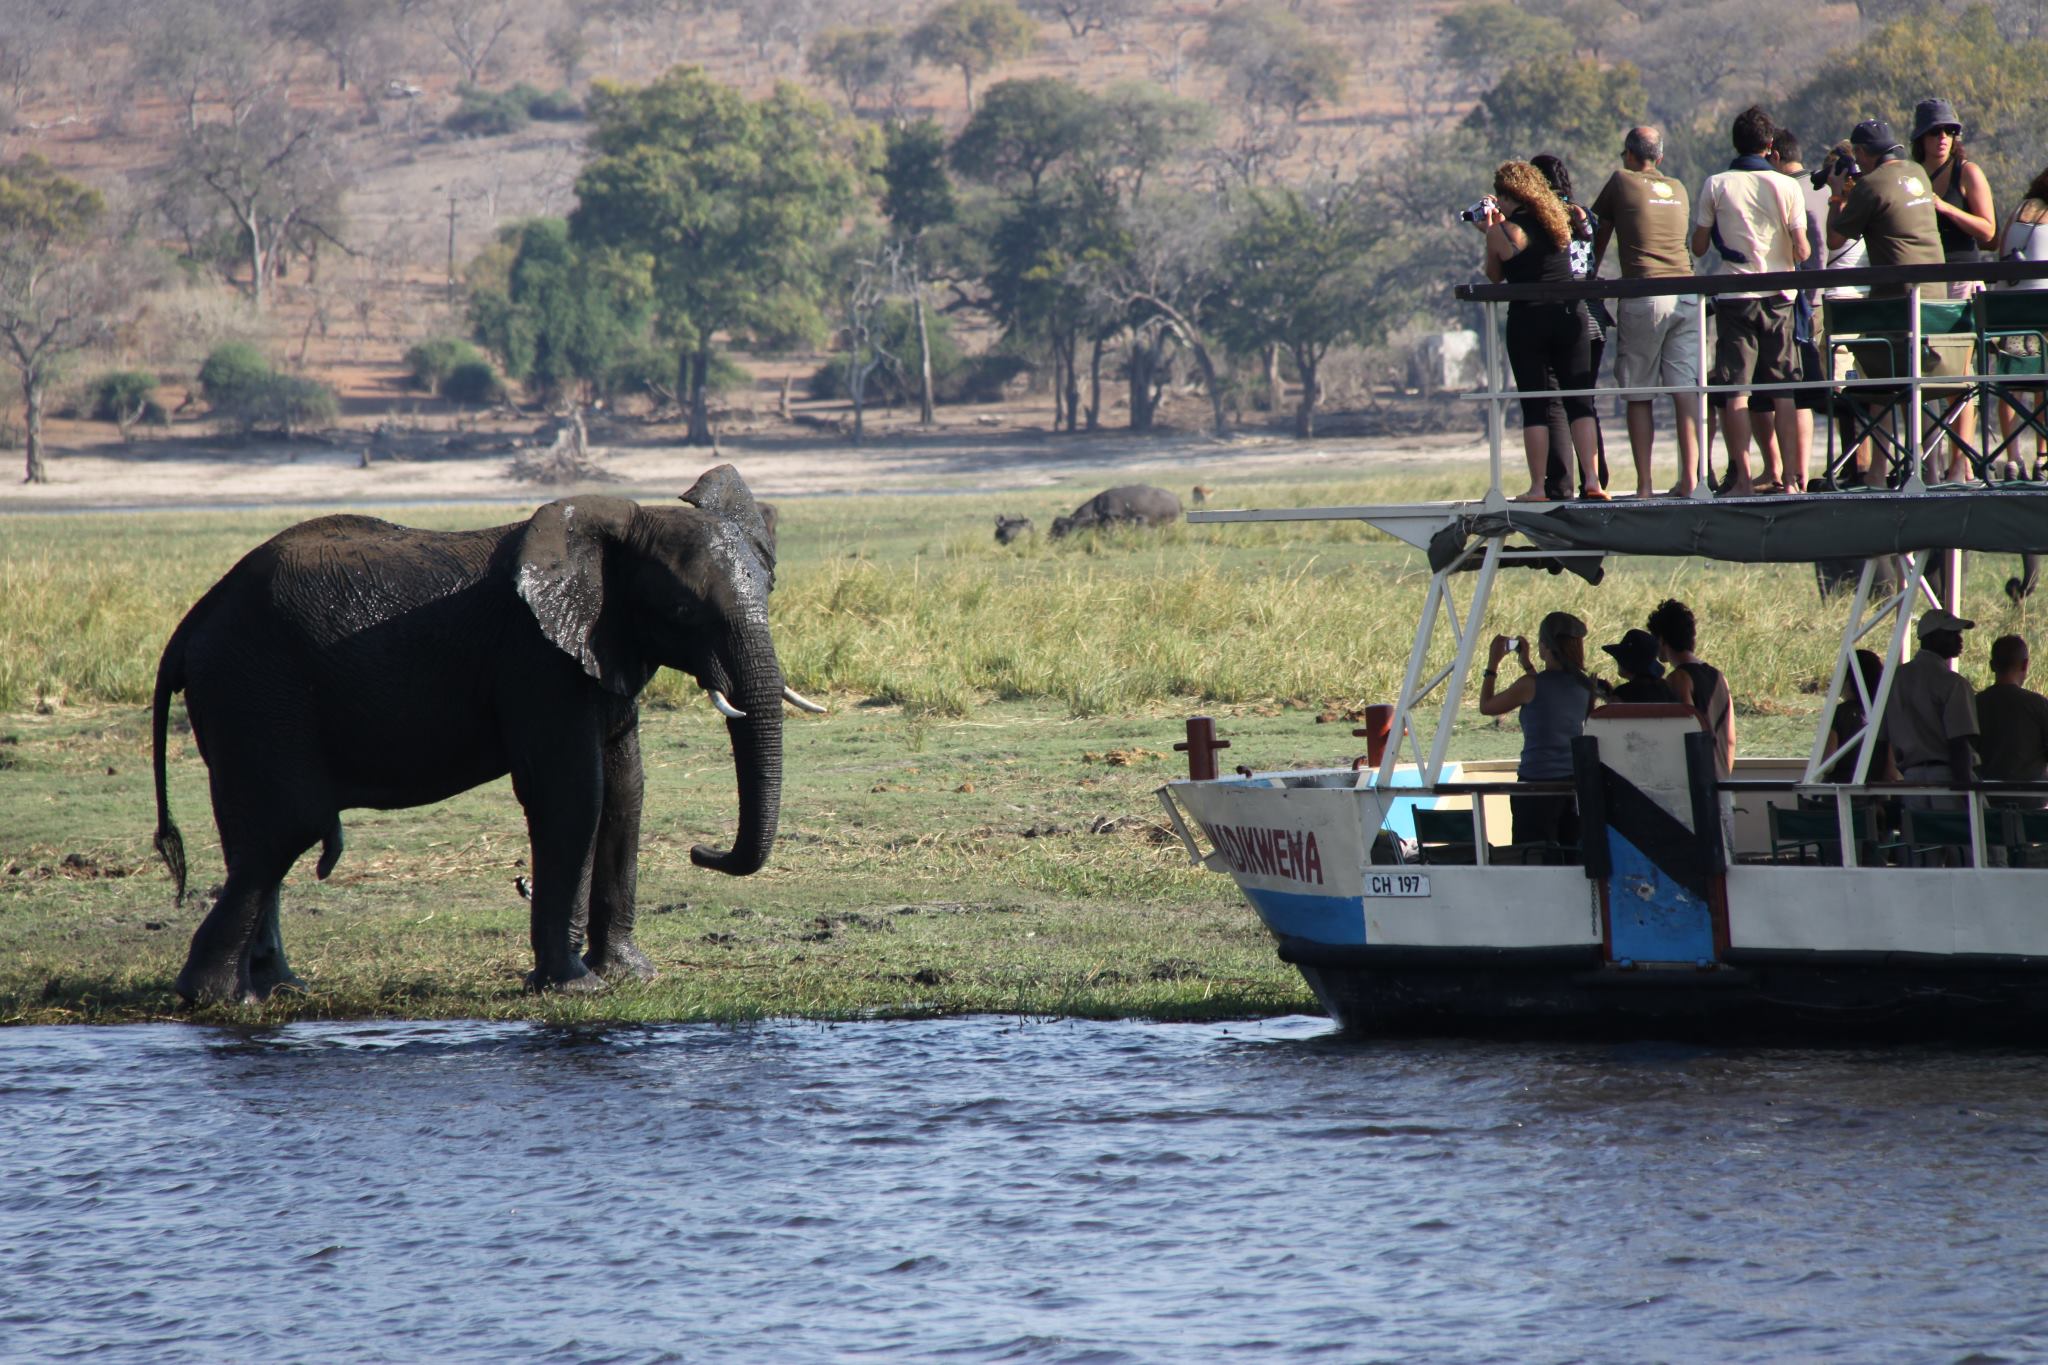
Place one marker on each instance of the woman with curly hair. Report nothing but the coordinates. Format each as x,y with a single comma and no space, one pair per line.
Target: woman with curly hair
1528,241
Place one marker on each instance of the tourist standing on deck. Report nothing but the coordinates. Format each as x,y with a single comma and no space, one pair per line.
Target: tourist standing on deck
1528,239
1886,203
1698,683
1553,702
1932,716
1657,340
2026,239
1784,159
1757,221
1557,474
1966,222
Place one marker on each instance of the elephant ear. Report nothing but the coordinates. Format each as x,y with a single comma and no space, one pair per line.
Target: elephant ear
724,494
560,575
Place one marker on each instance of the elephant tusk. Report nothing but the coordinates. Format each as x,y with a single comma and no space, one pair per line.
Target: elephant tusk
801,702
726,708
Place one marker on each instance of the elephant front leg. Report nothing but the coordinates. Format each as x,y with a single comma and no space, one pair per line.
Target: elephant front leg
615,872
562,799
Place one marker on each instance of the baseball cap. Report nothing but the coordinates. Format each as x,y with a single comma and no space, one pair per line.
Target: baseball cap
1930,114
1939,620
1636,652
1875,134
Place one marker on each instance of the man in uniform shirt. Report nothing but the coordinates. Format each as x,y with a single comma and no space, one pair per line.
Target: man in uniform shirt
1932,716
1889,204
1658,339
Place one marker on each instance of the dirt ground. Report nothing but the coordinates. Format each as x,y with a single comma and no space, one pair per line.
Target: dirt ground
436,459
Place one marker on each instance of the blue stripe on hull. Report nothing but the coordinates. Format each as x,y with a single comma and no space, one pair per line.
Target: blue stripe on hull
1319,919
1653,918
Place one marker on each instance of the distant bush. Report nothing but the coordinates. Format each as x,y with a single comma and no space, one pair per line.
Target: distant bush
896,331
650,367
494,113
433,360
231,369
125,397
473,383
243,391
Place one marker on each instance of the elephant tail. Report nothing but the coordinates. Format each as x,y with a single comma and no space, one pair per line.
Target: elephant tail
170,678
330,850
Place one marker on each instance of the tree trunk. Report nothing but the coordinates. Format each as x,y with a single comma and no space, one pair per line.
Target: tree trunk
1144,361
1073,379
32,395
700,408
783,406
1305,412
1273,387
1095,387
968,72
258,292
1059,388
924,354
856,389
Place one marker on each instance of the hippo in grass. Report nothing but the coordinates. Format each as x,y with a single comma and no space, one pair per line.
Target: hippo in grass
1009,529
1133,504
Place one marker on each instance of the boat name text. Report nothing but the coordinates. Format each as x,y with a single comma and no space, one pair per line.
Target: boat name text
1289,853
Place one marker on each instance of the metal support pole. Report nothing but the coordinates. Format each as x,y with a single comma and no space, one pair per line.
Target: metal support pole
1703,471
1914,483
1496,417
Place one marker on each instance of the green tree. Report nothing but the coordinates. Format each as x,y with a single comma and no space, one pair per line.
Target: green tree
1300,278
917,197
1043,252
1272,60
734,203
1565,105
564,315
61,290
1023,129
1999,88
1482,38
973,37
860,61
1141,128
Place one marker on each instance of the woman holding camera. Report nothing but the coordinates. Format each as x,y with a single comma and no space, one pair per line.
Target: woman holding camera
1553,702
1528,241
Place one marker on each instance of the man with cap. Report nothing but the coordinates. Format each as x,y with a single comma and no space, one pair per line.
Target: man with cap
1932,716
1888,203
1635,655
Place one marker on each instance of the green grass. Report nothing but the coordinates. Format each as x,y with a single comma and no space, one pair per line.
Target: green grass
970,684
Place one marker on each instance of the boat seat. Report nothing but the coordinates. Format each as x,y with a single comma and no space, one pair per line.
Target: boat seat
2012,336
1445,837
1941,838
1811,834
1872,334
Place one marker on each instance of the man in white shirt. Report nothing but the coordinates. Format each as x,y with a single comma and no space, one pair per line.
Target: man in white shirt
1756,219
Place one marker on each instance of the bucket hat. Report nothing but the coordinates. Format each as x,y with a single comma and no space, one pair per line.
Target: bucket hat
1636,653
1930,114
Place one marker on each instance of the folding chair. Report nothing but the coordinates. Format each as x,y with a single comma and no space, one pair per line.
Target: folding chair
1873,333
2012,335
1445,837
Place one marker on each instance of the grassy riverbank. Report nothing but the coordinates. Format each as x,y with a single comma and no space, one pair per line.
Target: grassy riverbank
971,829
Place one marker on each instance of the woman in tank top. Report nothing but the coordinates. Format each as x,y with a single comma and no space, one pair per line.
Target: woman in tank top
1553,703
2025,239
1527,239
1964,217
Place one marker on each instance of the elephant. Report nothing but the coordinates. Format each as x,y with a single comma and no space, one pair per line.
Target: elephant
350,663
1134,504
1010,529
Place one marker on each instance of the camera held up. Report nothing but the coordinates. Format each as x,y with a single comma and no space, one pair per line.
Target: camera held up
1479,212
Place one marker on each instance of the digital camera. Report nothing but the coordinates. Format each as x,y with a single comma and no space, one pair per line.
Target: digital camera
1841,165
1478,212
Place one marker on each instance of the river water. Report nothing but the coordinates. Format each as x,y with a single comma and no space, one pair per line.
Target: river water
1000,1190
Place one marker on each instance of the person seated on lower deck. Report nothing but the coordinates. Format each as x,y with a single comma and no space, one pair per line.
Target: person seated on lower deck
1635,657
2013,721
1698,683
1851,719
1553,702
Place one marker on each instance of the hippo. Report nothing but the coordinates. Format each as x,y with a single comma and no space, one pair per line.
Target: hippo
1133,504
1012,528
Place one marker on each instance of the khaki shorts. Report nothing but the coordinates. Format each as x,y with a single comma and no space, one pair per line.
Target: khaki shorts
1658,343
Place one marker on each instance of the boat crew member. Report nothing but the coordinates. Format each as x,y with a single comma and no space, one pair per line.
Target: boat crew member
1698,683
1635,657
1932,716
1553,702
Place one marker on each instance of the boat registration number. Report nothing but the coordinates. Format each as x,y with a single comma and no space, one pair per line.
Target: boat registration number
1397,884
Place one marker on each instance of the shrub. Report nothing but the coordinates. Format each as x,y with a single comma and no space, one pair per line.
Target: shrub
433,360
556,106
494,113
896,330
473,383
650,367
232,370
293,403
126,397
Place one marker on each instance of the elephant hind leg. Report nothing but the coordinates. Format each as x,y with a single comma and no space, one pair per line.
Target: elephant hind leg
330,850
237,953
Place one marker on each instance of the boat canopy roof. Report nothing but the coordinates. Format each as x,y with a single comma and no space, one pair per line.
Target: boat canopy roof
1767,530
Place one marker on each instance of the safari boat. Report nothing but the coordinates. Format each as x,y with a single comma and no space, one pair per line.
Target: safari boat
1774,902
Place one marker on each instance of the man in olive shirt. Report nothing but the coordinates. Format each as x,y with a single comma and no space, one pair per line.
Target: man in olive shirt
1889,204
1658,338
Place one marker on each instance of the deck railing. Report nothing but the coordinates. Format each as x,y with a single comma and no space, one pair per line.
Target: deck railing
1912,279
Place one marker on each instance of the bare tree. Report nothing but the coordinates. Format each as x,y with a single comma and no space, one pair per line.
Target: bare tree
345,32
210,51
1166,284
1083,17
471,30
275,176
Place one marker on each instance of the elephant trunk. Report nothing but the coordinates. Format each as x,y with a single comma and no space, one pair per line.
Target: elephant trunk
755,687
